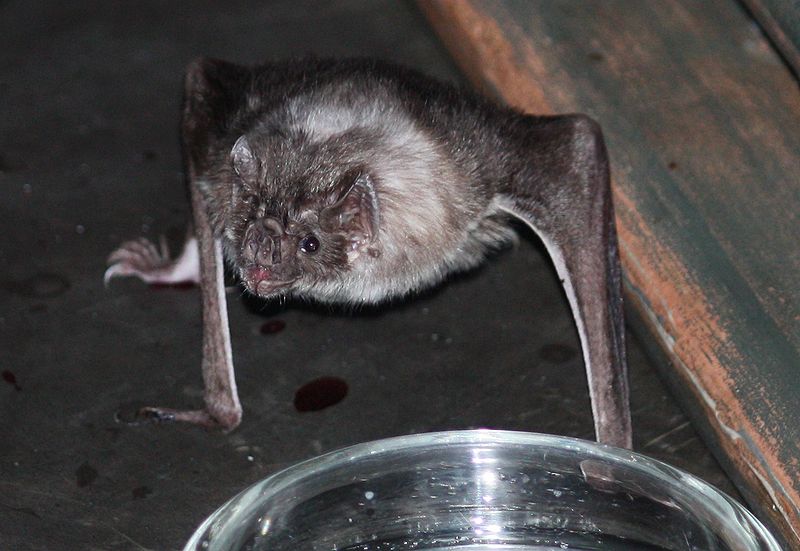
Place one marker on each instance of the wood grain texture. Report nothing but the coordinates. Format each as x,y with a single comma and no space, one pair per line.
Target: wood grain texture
781,21
702,121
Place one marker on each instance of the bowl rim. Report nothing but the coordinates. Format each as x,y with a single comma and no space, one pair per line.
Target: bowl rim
284,478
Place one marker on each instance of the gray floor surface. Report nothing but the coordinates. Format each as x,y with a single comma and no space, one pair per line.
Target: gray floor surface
89,157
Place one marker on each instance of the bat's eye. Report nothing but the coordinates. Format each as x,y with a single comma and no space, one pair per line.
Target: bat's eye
309,244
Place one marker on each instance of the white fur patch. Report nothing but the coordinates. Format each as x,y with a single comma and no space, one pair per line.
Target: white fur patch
407,170
187,266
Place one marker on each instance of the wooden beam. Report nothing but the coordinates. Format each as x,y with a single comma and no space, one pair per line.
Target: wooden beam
702,121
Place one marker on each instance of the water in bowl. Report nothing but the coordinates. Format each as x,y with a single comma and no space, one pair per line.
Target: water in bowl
573,542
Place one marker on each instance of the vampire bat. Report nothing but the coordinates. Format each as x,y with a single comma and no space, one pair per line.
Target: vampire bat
356,181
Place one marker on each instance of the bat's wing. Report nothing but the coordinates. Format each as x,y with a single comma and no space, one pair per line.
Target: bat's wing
213,91
562,191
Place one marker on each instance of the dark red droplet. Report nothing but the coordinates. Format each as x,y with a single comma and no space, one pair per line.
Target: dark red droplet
320,394
141,492
85,475
11,379
37,308
178,285
272,326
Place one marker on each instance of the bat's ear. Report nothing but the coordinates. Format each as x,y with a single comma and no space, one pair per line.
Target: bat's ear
244,160
354,211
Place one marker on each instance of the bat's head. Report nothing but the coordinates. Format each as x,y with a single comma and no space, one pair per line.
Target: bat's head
297,230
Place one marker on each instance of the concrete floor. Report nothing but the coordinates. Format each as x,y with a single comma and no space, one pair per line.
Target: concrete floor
89,156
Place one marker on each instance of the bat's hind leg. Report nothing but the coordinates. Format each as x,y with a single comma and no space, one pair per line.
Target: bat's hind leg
141,258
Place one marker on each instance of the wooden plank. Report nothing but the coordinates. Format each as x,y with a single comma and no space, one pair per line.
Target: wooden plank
781,21
702,120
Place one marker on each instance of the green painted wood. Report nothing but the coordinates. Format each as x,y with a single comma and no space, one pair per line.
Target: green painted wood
702,120
781,21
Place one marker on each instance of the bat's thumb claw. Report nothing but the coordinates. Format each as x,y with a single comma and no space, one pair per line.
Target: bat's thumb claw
156,415
110,272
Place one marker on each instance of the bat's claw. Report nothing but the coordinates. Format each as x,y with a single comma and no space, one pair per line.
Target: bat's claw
141,258
156,415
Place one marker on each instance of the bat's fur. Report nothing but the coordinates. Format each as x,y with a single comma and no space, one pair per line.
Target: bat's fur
433,158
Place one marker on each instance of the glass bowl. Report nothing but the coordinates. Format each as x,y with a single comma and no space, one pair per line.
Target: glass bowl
481,490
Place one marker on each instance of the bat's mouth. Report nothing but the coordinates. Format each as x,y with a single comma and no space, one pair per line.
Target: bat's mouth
264,282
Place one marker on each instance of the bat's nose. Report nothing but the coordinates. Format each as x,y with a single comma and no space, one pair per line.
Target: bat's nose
262,242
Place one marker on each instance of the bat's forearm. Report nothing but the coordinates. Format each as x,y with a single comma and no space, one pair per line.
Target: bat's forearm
564,195
222,400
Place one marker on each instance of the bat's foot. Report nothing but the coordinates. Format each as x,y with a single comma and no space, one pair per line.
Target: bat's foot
141,258
224,420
